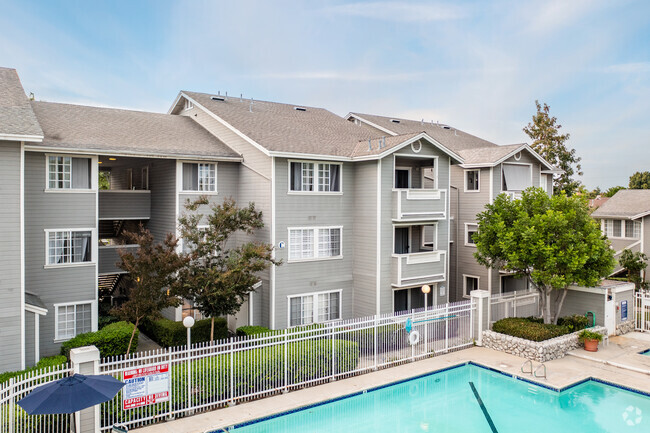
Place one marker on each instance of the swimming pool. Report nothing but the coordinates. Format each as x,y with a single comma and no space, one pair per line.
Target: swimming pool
645,352
470,398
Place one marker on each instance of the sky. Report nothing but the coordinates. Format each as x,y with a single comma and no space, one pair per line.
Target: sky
476,65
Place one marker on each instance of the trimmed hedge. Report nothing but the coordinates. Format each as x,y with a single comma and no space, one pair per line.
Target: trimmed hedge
111,340
524,328
244,331
50,361
169,333
573,323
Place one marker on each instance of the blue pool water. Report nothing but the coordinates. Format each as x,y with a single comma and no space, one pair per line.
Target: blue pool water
646,352
445,402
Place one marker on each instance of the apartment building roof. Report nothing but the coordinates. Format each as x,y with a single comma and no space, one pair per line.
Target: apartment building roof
17,120
138,133
625,204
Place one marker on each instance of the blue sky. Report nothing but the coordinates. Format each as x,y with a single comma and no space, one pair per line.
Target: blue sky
476,65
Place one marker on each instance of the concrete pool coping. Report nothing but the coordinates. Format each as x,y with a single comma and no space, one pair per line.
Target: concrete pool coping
561,374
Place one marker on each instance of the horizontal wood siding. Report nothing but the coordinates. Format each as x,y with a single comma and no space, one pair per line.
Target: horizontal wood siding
162,184
123,205
11,262
65,210
580,302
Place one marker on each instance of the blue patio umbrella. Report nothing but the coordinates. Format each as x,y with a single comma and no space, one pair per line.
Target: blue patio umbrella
70,394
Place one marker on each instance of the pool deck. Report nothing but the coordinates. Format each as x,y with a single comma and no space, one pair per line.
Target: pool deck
617,362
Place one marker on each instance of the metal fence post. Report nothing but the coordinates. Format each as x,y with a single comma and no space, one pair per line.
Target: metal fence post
447,327
232,372
286,360
171,385
333,378
376,337
12,410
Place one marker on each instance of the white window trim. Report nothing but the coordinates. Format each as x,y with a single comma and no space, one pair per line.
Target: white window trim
93,175
93,244
315,306
435,159
467,244
515,163
292,192
478,284
395,177
93,309
435,238
216,178
315,246
396,226
188,105
478,178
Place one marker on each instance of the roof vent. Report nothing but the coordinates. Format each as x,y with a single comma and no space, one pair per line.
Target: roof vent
217,98
300,108
394,120
446,127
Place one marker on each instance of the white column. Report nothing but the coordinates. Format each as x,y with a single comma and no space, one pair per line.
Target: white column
85,360
481,322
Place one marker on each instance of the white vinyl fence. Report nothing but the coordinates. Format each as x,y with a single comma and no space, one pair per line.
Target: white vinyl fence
642,310
212,375
523,303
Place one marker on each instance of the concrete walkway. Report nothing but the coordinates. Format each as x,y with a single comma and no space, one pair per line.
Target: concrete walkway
146,344
561,373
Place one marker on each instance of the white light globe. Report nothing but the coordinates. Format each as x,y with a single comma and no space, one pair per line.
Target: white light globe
188,322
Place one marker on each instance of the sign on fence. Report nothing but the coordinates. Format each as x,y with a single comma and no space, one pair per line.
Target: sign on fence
623,311
145,386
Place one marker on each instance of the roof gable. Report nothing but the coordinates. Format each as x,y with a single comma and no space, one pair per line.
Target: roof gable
626,204
17,120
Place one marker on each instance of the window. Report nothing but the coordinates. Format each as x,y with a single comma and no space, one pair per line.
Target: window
470,283
616,228
66,172
314,308
314,177
188,104
516,177
470,231
471,180
429,236
199,177
313,243
633,229
68,246
72,320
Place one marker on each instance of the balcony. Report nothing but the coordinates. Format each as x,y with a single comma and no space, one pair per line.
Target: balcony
109,257
419,204
418,268
116,205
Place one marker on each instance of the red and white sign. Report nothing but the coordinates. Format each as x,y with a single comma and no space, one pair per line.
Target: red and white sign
145,386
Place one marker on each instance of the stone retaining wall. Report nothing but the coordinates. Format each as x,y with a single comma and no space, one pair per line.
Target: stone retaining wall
540,351
625,327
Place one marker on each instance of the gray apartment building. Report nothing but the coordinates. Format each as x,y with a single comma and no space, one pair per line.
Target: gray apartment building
362,210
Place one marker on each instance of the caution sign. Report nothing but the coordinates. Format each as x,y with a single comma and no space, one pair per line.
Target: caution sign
145,386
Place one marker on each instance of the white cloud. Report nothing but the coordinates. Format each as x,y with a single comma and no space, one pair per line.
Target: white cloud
401,11
629,68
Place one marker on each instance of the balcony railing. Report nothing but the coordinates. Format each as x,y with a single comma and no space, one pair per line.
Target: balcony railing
418,268
127,204
109,257
419,204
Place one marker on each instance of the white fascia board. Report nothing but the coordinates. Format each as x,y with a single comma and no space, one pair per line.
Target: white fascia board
21,137
315,157
36,310
525,146
374,125
406,143
178,97
131,154
228,125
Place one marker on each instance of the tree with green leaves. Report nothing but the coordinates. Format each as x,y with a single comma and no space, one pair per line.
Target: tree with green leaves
640,180
612,190
152,269
635,264
219,276
551,241
551,145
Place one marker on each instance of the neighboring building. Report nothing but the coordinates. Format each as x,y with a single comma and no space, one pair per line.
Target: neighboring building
362,211
625,219
597,202
487,170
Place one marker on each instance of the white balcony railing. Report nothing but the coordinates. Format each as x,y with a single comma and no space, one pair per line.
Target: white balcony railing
418,268
419,204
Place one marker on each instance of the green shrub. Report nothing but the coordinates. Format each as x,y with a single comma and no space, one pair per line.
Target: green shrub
104,321
573,323
112,340
169,333
50,361
244,331
524,328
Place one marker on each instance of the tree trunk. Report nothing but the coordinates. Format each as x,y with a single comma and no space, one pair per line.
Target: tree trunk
211,329
128,349
559,305
541,294
547,306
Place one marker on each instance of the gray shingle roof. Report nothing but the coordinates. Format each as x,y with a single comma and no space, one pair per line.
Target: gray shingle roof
281,128
452,138
16,115
482,155
125,131
626,204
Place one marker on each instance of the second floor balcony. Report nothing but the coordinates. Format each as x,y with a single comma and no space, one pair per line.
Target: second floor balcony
109,257
419,204
115,204
418,268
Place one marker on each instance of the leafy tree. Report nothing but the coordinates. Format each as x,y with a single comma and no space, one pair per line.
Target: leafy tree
153,272
218,276
640,180
635,264
551,145
104,180
612,190
552,241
